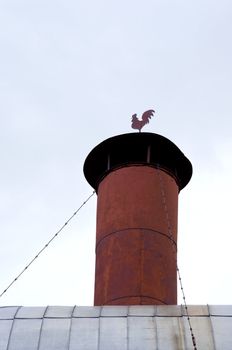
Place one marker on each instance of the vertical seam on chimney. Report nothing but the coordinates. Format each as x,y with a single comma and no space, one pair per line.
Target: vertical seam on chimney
141,266
108,162
149,154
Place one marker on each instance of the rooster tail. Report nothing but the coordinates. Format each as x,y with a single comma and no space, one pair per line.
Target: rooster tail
147,115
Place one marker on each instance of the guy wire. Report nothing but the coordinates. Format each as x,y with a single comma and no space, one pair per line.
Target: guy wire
46,245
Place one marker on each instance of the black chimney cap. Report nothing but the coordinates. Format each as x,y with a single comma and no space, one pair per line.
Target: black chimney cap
137,149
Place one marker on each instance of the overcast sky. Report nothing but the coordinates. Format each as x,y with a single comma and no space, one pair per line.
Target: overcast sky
72,73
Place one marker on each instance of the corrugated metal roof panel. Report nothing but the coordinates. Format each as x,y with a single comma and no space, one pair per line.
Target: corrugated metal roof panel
84,334
55,334
222,330
169,310
87,311
113,333
220,310
114,311
142,310
8,312
31,312
115,328
202,329
25,334
5,328
141,333
170,333
196,310
59,311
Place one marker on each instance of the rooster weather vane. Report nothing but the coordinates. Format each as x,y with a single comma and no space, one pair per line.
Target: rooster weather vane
139,124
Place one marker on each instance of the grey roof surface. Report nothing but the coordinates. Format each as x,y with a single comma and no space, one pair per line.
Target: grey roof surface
115,327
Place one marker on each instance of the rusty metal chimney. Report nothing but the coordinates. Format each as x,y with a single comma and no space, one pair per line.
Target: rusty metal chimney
137,177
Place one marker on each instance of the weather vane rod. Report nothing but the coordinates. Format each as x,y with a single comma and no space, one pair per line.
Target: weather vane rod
139,124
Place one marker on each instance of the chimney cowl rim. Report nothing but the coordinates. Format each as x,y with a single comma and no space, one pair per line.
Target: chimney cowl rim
137,148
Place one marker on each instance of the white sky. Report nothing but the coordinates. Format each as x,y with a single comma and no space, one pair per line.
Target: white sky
71,75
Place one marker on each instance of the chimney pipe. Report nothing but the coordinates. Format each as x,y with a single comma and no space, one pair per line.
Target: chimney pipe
137,177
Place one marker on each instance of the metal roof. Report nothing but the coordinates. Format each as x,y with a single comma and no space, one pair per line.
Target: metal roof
115,327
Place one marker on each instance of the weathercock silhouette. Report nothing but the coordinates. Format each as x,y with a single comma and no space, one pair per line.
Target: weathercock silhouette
139,124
